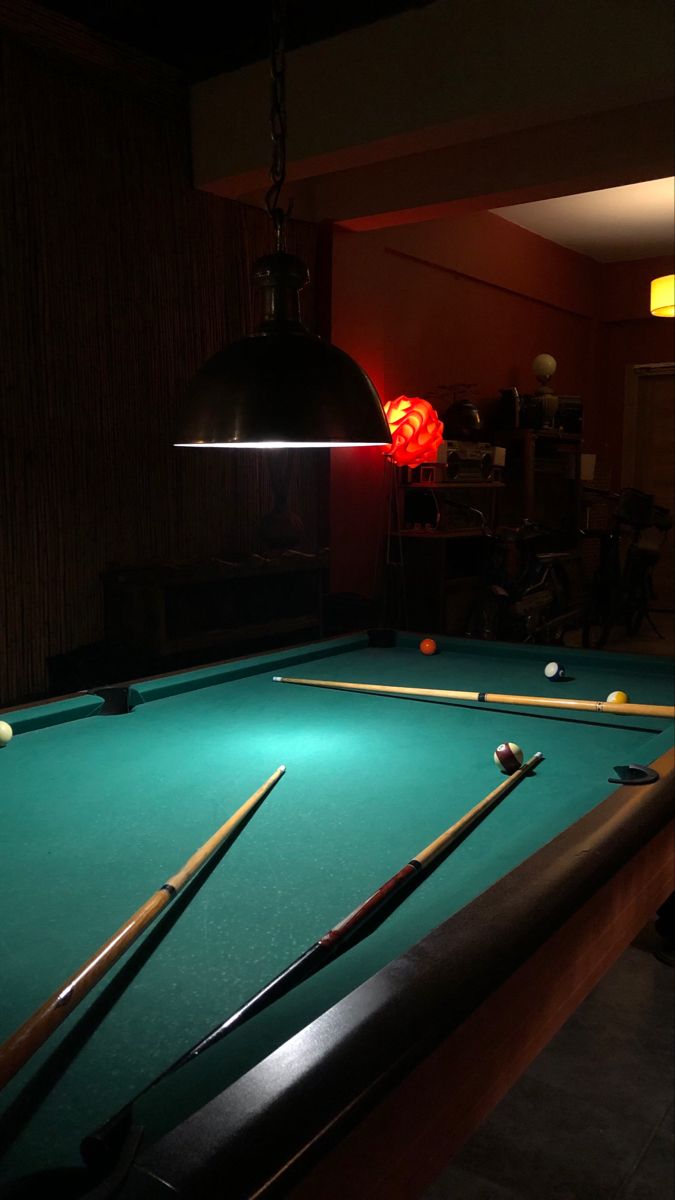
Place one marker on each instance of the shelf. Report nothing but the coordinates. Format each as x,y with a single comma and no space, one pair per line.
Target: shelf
477,483
217,570
439,534
553,435
236,633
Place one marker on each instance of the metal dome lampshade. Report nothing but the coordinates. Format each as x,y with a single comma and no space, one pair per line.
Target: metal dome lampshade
282,386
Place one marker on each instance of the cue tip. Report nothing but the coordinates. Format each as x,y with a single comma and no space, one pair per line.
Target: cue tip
282,768
277,679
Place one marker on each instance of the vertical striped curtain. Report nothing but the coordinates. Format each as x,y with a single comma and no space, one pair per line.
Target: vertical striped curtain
118,279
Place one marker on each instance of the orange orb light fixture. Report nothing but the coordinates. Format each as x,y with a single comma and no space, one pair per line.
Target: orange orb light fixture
416,431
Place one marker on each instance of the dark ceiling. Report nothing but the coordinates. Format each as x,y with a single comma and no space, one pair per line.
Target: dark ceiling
203,39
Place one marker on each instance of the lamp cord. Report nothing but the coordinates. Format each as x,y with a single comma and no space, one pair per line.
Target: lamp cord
277,122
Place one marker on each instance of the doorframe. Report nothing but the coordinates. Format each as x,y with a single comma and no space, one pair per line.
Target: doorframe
634,373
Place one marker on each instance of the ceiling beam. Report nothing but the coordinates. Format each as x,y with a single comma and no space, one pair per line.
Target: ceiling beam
430,106
582,154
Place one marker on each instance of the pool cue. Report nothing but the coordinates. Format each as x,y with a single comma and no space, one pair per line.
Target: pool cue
382,689
24,1042
318,954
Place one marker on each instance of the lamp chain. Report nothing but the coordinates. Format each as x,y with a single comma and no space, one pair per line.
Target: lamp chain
277,122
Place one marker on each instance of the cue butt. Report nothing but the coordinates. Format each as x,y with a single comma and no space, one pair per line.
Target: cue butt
593,706
29,1037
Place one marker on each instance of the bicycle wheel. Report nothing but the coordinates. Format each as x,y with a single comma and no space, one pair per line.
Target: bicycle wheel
638,590
635,615
485,621
596,626
560,615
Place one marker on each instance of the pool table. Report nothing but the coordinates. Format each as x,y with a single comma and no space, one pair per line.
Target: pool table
367,1077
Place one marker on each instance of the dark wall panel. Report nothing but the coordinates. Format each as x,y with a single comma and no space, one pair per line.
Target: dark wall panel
118,279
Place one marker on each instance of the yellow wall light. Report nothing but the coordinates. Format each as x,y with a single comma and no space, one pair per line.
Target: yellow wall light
662,297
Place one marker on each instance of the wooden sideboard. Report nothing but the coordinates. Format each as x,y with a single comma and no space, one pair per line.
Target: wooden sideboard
179,610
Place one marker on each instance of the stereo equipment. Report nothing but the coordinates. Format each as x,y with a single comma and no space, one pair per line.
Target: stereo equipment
570,415
470,461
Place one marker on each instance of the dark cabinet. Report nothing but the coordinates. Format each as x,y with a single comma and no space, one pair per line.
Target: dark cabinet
169,611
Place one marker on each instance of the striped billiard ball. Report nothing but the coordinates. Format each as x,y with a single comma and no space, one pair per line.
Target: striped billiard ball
554,671
508,757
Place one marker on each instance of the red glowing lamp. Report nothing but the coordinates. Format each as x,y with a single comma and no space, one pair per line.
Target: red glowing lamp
416,431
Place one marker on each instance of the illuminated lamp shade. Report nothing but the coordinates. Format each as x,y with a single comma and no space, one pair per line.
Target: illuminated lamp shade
662,297
282,386
416,431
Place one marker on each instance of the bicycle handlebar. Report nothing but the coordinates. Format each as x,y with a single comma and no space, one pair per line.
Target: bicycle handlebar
656,516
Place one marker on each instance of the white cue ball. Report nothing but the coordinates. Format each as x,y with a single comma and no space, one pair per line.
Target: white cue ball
6,733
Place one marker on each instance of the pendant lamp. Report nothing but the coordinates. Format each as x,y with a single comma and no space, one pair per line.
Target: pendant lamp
282,386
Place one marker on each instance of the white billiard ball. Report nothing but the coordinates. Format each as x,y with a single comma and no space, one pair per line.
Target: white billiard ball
6,733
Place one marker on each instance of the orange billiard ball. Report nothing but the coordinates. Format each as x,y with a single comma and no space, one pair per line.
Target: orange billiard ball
428,646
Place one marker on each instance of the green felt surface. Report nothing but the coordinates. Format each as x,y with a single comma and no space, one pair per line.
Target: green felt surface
98,811
53,712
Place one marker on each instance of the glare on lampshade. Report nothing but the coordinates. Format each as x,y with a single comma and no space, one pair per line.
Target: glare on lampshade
662,298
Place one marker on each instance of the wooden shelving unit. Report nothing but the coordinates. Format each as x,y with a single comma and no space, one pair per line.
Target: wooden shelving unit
543,476
437,535
443,528
434,581
464,484
435,552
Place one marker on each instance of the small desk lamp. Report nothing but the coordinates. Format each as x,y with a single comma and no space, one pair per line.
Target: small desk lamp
544,368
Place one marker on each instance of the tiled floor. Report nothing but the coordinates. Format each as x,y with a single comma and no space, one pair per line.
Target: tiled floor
592,1118
657,637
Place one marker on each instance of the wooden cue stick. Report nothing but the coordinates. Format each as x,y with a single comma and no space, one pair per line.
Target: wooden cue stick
381,689
24,1042
96,1147
456,831
329,943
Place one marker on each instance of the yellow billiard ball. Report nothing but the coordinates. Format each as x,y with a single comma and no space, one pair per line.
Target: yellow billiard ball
618,698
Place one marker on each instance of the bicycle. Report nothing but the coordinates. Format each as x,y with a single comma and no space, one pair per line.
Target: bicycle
525,594
622,589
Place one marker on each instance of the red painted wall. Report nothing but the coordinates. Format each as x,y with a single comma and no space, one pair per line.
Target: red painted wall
628,335
624,292
448,329
473,300
485,246
357,486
